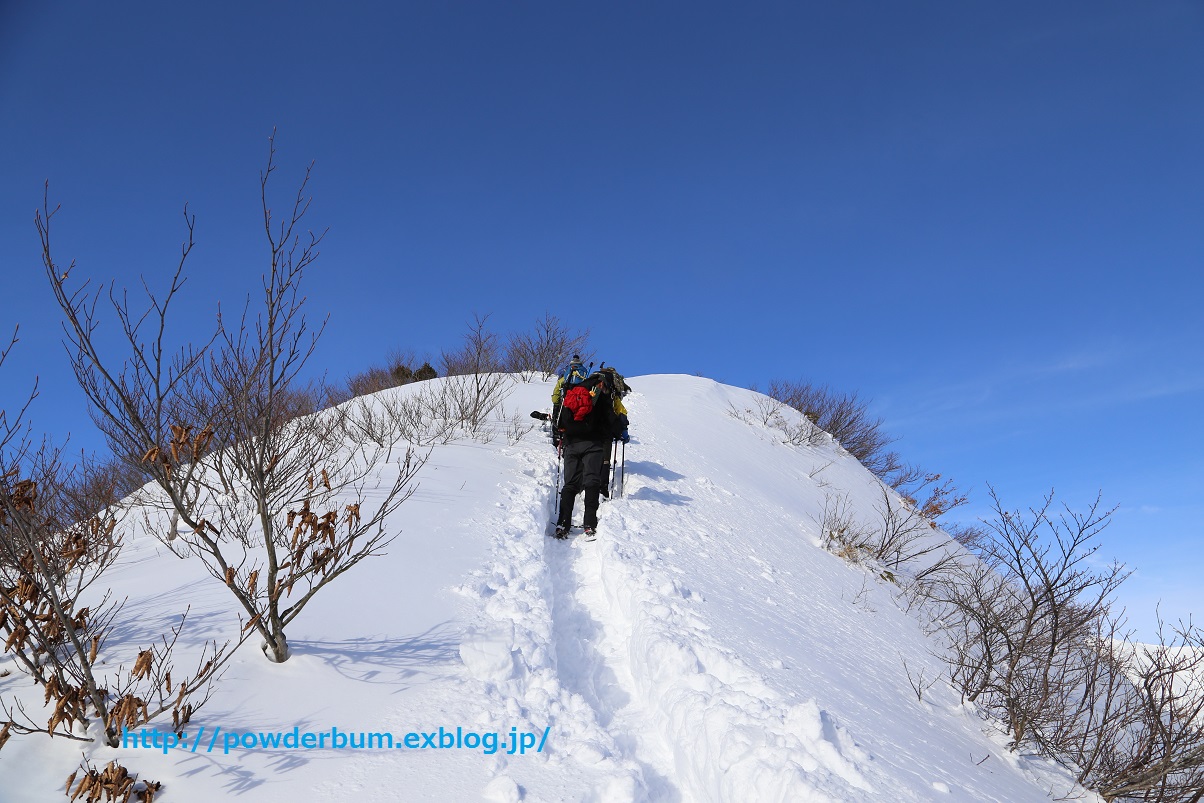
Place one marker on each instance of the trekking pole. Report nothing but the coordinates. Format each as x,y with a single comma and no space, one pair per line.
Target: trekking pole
610,473
559,457
623,466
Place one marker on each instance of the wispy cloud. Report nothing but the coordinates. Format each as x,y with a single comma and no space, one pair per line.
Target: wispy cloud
1077,381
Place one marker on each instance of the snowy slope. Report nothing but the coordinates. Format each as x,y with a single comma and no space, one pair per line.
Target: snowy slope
704,648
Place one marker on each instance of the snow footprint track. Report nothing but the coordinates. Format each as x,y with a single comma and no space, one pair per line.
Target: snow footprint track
516,646
591,663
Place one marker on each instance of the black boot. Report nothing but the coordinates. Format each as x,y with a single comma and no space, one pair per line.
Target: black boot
591,508
565,519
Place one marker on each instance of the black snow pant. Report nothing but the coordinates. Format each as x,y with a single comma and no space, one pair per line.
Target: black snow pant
582,472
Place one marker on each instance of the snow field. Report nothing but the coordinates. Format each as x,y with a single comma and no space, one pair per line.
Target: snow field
703,648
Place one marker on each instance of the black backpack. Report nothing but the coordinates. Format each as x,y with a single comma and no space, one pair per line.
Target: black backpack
616,385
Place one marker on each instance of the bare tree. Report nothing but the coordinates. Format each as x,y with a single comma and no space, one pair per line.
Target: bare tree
475,385
59,532
481,353
1145,740
546,348
265,491
1035,596
1032,638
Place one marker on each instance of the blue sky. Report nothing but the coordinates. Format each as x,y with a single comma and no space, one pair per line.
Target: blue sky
988,218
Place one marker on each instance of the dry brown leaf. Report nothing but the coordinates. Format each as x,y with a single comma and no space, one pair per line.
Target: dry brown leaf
142,666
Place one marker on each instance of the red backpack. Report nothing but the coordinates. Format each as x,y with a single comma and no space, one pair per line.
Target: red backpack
579,402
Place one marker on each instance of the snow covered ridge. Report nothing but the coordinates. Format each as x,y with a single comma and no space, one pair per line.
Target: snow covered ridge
704,648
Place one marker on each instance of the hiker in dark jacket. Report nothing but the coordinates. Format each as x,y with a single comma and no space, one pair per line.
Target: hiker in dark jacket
587,425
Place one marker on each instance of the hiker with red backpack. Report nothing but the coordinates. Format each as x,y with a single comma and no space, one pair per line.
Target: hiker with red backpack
587,426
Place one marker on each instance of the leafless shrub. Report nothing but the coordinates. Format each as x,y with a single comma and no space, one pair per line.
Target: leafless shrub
433,415
481,353
908,537
846,418
475,385
841,533
113,783
903,534
749,415
843,416
59,532
464,406
517,427
861,597
1130,723
970,536
106,479
771,414
472,399
428,417
271,497
1033,640
1021,611
372,380
970,607
1142,737
422,417
906,478
400,368
917,680
544,349
901,538
819,469
377,420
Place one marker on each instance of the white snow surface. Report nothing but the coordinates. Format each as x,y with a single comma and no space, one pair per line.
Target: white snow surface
703,648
